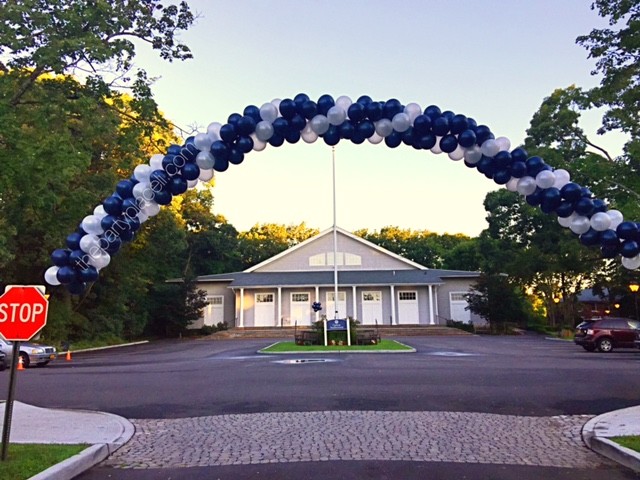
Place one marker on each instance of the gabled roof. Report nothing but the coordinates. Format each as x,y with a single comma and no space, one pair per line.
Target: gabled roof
345,233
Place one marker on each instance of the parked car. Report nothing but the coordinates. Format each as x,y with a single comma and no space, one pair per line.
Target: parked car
3,361
31,353
606,334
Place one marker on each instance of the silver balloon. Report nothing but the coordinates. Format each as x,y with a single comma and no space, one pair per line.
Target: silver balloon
580,225
600,221
490,148
566,221
264,130
401,122
151,208
269,112
616,218
214,130
99,260
89,242
205,160
203,142
545,179
344,102
51,276
632,263
205,175
258,145
384,127
472,155
142,190
413,110
504,144
142,173
319,124
336,115
308,135
91,224
156,162
375,139
436,148
562,178
99,211
512,184
526,186
192,183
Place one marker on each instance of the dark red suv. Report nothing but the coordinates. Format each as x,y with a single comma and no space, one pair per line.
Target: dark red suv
606,334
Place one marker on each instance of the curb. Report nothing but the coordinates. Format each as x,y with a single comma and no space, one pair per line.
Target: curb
322,352
594,436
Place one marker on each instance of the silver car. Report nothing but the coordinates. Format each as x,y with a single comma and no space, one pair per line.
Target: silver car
30,353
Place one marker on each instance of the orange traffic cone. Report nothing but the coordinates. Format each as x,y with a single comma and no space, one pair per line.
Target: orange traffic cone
68,355
20,365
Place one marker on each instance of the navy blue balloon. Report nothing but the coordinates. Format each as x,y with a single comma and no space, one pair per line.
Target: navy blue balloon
332,136
281,126
130,207
483,133
174,149
486,165
391,108
433,111
448,144
467,138
590,238
88,274
422,125
73,240
245,144
535,198
408,138
300,100
440,126
177,185
550,199
629,248
133,223
374,111
162,197
253,112
127,235
236,156
347,129
309,109
357,138
78,259
571,192
246,126
297,122
586,192
125,188
189,150
427,141
609,251
60,257
233,119
366,128
172,164
159,180
472,124
221,164
519,155
356,112
112,205
220,150
565,209
628,231
228,132
609,238
584,206
276,140
534,165
113,244
325,102
599,205
395,139
66,275
502,176
292,136
458,124
364,100
287,108
76,288
191,171
503,159
518,169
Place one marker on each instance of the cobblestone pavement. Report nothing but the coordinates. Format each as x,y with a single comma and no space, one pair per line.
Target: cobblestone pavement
357,435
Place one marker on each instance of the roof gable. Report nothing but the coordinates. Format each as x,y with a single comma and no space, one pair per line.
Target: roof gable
353,253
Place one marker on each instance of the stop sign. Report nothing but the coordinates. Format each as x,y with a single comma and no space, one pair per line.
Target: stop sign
23,313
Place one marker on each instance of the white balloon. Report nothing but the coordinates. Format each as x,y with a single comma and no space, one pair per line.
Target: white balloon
143,217
472,155
632,263
205,160
89,241
151,208
192,183
457,154
344,102
490,148
156,162
205,175
203,142
319,124
566,221
600,221
91,224
562,178
258,145
142,173
308,135
264,130
526,186
269,112
375,139
384,127
99,211
214,130
401,122
142,190
503,143
413,110
512,184
99,260
580,225
336,115
616,218
545,179
50,275
436,148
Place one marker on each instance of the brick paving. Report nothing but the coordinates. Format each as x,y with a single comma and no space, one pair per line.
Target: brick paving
357,435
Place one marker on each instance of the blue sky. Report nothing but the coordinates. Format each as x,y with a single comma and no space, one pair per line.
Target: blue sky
492,60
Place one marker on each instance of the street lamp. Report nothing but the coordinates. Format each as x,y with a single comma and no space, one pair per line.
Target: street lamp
634,288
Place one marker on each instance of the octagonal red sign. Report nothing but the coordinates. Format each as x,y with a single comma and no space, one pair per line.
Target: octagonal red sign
23,313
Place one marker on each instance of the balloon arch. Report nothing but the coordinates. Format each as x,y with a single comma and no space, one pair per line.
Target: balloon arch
116,220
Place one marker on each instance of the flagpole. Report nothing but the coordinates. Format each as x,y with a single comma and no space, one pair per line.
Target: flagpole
335,250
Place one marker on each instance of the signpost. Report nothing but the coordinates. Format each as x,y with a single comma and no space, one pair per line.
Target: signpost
23,313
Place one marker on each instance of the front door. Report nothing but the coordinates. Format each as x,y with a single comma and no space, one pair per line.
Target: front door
300,309
371,307
342,305
408,312
264,311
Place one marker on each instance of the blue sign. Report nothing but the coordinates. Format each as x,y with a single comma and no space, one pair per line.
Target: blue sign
337,324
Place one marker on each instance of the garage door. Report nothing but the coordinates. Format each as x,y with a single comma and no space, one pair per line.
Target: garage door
214,311
458,303
264,310
408,312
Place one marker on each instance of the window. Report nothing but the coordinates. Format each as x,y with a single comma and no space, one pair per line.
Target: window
317,260
264,297
371,296
299,297
352,259
342,296
217,300
458,297
407,296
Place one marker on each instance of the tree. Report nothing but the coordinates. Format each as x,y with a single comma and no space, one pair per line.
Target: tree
265,240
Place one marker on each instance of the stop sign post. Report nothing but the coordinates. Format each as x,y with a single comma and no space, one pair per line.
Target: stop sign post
23,313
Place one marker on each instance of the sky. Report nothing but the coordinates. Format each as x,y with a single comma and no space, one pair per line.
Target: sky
493,60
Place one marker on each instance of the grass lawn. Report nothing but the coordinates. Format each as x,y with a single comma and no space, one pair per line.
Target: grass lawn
291,347
632,442
24,460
